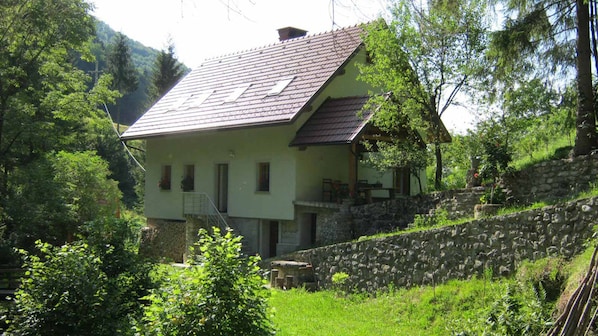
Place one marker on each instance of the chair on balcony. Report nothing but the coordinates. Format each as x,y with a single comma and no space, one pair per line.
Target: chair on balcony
327,190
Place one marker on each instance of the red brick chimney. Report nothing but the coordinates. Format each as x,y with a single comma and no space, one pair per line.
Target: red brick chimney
288,33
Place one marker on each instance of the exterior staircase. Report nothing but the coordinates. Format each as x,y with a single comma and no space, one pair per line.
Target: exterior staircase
200,206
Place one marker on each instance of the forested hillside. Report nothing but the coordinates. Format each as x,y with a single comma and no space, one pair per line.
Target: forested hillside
132,105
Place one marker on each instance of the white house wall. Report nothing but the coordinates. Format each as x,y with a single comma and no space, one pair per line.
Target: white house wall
242,150
318,162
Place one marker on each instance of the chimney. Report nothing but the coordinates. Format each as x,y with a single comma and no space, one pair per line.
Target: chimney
288,33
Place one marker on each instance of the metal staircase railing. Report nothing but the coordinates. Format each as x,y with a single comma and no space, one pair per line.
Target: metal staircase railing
201,205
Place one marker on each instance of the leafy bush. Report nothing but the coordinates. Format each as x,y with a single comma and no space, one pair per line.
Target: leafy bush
90,287
440,216
493,196
115,242
64,293
220,293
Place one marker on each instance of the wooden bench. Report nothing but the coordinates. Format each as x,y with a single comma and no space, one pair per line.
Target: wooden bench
10,279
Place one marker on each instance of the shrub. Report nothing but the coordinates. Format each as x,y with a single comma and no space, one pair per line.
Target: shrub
115,242
440,216
220,293
64,293
90,287
493,195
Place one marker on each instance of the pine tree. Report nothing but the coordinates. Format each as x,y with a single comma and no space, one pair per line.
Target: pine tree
166,73
537,40
121,67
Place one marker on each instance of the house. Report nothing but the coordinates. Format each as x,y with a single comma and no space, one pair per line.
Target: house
266,140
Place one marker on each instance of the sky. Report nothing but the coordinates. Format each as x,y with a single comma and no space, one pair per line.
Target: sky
202,29
207,28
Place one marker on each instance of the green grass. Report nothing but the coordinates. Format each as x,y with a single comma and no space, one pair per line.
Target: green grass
543,153
485,305
442,310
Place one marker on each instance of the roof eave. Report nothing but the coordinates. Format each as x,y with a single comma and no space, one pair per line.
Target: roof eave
125,137
328,81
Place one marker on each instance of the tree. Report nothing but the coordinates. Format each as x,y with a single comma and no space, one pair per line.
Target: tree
45,103
537,36
166,73
427,55
121,67
54,197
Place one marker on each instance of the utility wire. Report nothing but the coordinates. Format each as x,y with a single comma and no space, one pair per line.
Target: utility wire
121,141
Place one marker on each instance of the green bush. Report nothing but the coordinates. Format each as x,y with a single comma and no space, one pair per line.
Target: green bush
440,216
115,242
64,293
493,195
90,287
220,293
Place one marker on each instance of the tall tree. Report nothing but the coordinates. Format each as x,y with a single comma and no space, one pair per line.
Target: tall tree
541,36
427,55
43,97
121,67
166,73
45,104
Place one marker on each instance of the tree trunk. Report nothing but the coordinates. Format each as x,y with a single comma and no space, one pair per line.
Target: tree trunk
438,176
585,123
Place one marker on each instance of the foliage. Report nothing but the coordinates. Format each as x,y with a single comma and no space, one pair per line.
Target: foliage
458,159
537,41
166,72
120,66
397,154
439,217
339,282
92,286
104,140
46,104
493,195
220,293
87,191
63,293
425,57
57,194
116,242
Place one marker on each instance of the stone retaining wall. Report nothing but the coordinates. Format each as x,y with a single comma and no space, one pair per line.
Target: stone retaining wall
552,180
396,214
163,240
456,252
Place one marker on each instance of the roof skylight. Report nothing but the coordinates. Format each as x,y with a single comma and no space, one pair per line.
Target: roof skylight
280,86
233,96
178,103
198,98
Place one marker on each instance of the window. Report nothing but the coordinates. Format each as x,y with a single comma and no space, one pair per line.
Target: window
178,104
188,181
165,178
233,96
198,98
280,85
263,176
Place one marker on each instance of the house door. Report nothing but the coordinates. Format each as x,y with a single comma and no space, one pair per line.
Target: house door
273,240
222,187
402,181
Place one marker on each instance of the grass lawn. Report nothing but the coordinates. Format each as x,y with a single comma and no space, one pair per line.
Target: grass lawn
441,310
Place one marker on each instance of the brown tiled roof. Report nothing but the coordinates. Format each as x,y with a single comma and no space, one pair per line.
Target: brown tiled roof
312,60
336,121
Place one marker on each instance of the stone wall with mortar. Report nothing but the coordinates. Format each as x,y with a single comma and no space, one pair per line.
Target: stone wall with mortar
163,240
398,213
552,180
456,252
